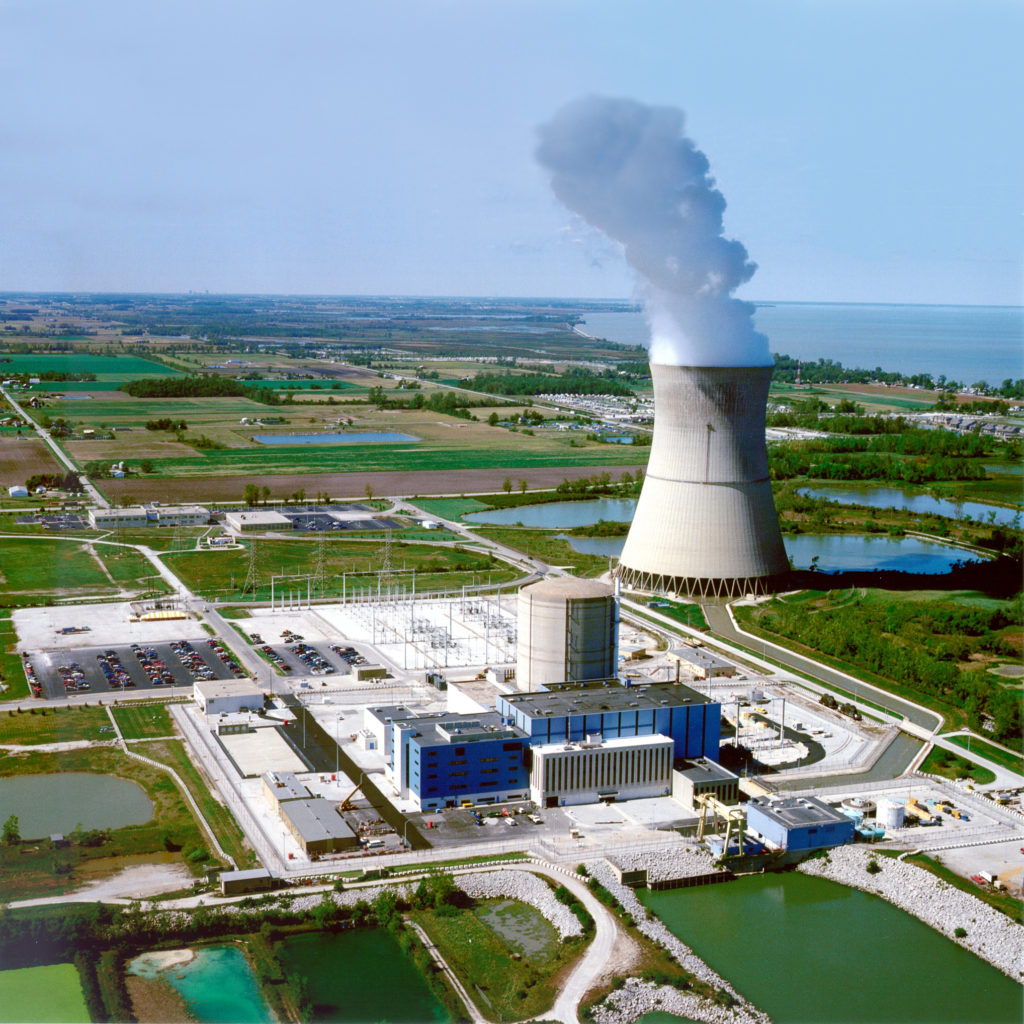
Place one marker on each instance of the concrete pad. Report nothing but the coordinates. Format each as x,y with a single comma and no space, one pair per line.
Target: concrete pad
108,624
264,750
271,625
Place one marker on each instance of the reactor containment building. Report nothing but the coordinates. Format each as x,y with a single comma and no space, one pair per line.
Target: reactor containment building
705,522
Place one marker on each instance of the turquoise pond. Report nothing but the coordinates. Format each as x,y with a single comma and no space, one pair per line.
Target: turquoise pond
365,437
558,515
218,986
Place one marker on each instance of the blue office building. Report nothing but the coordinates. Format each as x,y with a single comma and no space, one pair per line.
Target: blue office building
571,712
445,760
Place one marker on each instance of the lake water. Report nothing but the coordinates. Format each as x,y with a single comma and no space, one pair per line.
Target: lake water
808,950
895,497
367,437
966,343
360,976
46,804
559,515
218,985
845,552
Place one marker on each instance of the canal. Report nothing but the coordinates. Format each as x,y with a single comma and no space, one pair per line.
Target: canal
809,950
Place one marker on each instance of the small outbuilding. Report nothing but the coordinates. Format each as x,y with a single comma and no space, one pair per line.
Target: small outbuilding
224,696
17,491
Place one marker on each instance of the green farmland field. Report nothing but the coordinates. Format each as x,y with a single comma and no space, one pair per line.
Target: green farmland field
49,993
106,368
382,458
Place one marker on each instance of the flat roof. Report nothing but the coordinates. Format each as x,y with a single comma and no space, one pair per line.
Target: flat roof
137,510
210,688
316,819
242,876
614,743
260,518
591,700
285,785
798,811
700,769
697,656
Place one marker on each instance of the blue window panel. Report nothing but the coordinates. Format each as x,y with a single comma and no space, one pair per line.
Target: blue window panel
662,721
557,728
628,723
645,722
575,727
593,723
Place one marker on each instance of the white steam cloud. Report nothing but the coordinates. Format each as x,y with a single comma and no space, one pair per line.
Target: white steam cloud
629,170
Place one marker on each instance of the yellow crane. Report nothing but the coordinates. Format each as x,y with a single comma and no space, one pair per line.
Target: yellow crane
733,817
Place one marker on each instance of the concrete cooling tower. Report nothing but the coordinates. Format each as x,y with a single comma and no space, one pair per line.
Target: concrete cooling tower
568,632
705,523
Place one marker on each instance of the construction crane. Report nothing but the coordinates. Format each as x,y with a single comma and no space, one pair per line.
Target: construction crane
731,816
346,804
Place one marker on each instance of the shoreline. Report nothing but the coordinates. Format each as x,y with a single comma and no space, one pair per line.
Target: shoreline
154,999
990,935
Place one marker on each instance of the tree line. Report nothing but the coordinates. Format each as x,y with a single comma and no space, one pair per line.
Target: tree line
198,386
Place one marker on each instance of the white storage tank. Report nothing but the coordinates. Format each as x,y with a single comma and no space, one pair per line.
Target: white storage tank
890,813
568,632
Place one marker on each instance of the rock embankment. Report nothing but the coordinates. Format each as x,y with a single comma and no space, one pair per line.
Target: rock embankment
684,862
526,887
627,1004
637,997
990,934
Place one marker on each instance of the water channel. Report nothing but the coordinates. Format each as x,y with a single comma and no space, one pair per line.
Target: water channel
808,950
218,985
922,504
45,804
558,515
359,976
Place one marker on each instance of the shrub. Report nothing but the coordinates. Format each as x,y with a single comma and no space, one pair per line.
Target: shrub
873,867
960,933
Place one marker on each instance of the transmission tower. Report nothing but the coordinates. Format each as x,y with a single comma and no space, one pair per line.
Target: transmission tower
252,574
320,575
386,569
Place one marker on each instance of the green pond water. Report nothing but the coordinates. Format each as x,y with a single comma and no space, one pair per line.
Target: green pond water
808,950
45,804
218,986
359,977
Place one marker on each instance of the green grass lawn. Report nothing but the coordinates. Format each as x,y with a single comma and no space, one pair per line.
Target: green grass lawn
45,567
224,572
450,508
949,766
49,993
1011,762
503,987
12,669
51,724
221,820
546,545
142,721
106,368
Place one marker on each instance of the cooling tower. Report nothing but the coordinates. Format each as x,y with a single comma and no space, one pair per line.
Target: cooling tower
567,632
705,523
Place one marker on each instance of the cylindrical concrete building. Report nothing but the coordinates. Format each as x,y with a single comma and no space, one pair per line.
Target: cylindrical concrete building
567,632
705,523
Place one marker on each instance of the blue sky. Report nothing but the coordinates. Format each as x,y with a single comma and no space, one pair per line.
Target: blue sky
868,151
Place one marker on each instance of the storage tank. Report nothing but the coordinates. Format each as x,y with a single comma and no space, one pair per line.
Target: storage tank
890,813
568,632
705,522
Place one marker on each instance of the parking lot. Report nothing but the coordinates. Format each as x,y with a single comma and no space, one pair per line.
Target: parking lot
54,675
307,659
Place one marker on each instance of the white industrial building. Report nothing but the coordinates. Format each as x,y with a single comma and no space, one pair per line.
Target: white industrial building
705,522
255,521
118,518
148,515
225,696
624,768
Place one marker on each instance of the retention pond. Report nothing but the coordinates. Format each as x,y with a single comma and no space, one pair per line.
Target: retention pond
45,804
808,950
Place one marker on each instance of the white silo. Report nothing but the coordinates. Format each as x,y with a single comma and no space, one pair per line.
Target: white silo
891,813
705,522
567,632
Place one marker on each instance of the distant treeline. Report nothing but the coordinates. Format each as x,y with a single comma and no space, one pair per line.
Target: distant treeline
198,386
572,382
449,402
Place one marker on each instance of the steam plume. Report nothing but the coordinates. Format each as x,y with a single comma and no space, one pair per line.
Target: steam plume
629,170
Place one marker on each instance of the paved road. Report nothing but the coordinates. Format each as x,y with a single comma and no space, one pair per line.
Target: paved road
898,757
721,623
58,452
